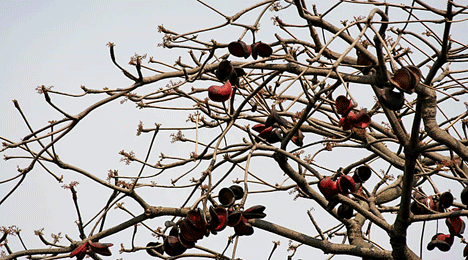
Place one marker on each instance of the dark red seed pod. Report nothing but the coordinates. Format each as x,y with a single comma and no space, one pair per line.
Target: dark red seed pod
226,197
446,199
345,211
189,232
101,248
391,99
240,49
153,251
173,247
80,252
243,227
254,212
219,219
238,191
259,127
359,120
225,69
441,241
346,184
455,225
187,244
464,196
195,218
276,135
328,187
265,133
234,217
220,93
343,105
298,138
262,49
404,80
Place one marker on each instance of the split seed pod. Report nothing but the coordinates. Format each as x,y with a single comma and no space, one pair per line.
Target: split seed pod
172,246
346,184
261,49
226,197
152,251
391,99
441,241
240,49
225,69
328,187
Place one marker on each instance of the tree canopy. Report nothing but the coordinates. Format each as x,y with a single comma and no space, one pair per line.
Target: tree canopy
284,121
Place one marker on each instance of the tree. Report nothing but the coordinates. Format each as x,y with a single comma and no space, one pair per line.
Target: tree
251,121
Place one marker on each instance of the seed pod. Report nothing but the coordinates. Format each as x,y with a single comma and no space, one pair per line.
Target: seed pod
362,174
343,105
173,247
328,187
391,99
224,70
441,241
262,49
464,196
346,184
226,197
152,251
345,211
240,49
446,199
238,191
254,212
220,93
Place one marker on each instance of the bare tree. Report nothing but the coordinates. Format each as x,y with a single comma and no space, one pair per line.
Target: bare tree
264,116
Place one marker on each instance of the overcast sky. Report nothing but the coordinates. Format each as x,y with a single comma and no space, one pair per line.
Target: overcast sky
63,43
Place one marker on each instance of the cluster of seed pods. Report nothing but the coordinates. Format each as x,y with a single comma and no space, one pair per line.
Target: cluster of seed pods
194,226
271,131
423,204
404,81
241,49
349,119
344,185
229,75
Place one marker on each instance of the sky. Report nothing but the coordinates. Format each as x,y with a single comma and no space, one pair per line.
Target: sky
63,44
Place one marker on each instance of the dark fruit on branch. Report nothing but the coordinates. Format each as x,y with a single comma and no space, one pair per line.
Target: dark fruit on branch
345,211
446,199
455,225
464,196
254,212
152,252
240,49
173,247
224,70
226,196
261,49
243,227
343,105
238,191
362,174
346,184
220,93
441,241
328,187
391,99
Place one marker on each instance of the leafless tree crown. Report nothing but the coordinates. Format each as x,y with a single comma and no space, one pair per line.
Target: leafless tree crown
364,118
